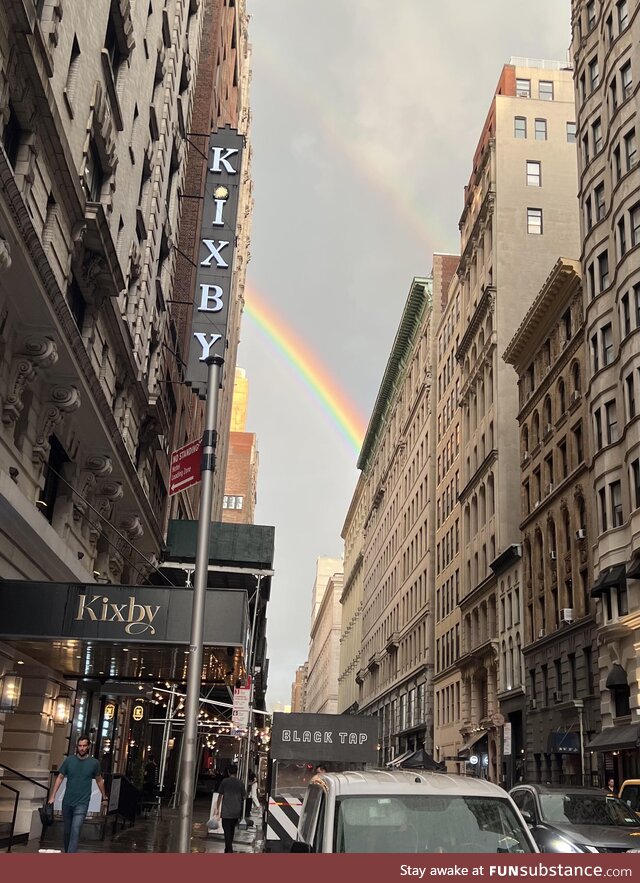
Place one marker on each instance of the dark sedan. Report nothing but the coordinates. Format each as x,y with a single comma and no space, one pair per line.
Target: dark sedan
573,819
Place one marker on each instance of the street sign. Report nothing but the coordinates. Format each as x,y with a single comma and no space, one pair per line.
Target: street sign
240,713
185,468
506,750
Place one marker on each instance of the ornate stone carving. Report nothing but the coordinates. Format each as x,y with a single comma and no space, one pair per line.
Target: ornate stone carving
131,527
5,251
37,353
95,468
63,400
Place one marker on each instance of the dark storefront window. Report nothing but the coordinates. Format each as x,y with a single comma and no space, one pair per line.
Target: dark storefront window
57,459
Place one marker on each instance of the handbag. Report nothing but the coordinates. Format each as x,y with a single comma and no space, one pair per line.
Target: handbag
46,814
213,824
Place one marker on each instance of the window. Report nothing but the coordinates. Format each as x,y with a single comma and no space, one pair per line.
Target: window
577,442
572,674
588,213
613,95
93,173
112,48
545,90
594,74
534,221
609,29
636,297
587,657
635,474
630,149
77,303
12,136
623,14
603,509
571,133
597,417
585,149
591,15
534,174
631,396
612,421
523,88
607,344
634,217
626,81
558,672
541,130
595,354
617,164
598,198
603,270
626,317
622,242
72,71
564,463
47,497
615,489
566,324
520,127
596,133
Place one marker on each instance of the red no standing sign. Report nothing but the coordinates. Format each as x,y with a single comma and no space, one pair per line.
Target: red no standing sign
185,468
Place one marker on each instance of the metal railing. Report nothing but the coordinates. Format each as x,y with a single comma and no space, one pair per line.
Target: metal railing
16,774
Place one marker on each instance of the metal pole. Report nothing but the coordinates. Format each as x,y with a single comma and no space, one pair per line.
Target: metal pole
166,735
250,672
580,707
194,671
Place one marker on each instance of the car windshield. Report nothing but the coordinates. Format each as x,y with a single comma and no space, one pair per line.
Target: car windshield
587,809
428,823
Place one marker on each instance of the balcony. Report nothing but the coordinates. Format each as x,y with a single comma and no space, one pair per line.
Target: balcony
393,642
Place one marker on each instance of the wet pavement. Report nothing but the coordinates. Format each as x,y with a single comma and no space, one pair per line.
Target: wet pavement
155,834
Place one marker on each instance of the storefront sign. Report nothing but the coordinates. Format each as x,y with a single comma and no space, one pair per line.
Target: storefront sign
138,712
109,711
316,737
216,256
139,614
506,747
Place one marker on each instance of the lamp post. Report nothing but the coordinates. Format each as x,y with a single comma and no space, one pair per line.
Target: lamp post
189,756
579,704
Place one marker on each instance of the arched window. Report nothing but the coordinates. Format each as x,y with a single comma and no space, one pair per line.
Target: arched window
575,376
524,440
491,496
535,429
547,412
482,506
562,399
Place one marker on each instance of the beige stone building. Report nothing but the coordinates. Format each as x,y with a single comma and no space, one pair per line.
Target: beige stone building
555,640
95,110
397,489
446,680
299,689
519,212
351,600
321,693
606,40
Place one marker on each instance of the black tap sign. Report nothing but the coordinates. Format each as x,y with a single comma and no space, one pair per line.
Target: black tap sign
348,738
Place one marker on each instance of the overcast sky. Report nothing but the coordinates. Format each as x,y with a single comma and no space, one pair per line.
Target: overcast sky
366,115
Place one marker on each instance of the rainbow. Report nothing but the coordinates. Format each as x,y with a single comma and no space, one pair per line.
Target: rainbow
309,368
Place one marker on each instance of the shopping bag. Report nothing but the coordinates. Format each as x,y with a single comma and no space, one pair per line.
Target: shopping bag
213,824
46,814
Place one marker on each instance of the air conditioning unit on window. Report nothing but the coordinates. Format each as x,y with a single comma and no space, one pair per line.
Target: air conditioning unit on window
525,456
557,696
566,614
533,704
549,429
541,633
575,395
552,555
581,534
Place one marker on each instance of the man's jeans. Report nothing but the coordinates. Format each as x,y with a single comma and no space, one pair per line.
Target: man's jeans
73,817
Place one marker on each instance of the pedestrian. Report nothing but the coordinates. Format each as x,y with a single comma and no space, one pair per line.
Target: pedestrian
611,786
252,801
231,804
317,773
79,770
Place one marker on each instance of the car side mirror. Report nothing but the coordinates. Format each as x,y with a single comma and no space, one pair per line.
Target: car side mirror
526,815
299,846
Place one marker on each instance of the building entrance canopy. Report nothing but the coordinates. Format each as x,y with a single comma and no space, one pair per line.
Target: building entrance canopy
92,630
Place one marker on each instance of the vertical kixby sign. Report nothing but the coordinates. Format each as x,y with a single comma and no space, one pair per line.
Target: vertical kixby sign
216,254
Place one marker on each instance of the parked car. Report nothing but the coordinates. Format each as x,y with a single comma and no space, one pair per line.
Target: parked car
574,819
413,812
630,794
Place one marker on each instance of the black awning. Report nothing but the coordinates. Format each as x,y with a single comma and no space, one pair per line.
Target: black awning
633,571
612,576
616,738
563,743
471,741
617,677
421,760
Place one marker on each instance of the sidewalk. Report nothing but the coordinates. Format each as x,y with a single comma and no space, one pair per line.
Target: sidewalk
158,835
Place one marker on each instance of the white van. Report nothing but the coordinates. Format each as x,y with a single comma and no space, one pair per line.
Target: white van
410,812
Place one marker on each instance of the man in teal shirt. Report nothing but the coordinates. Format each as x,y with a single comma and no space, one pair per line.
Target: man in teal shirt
79,770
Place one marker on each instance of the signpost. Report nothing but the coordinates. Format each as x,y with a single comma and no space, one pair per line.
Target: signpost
185,467
240,713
